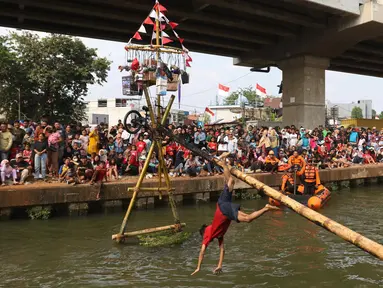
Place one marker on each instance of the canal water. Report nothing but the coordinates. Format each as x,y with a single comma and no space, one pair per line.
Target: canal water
280,249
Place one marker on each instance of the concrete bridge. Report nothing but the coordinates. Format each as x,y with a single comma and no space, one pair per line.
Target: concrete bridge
301,37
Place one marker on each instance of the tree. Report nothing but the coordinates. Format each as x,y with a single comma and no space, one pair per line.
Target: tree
381,115
357,113
51,75
248,93
373,112
206,118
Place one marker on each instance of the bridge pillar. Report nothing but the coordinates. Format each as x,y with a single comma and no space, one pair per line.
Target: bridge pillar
304,90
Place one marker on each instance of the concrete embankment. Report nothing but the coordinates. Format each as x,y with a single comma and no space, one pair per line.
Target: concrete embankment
81,199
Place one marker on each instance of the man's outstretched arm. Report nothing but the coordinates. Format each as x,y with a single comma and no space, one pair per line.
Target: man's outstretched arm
200,258
221,256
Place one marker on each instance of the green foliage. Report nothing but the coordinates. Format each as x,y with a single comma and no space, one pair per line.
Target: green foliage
247,194
39,212
206,118
373,113
163,238
357,113
381,115
52,75
248,93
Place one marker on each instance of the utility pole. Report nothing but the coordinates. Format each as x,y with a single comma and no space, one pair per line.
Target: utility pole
334,113
243,113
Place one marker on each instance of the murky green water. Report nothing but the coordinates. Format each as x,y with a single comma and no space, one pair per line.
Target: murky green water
281,249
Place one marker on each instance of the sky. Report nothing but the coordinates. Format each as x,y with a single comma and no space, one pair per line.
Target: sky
209,70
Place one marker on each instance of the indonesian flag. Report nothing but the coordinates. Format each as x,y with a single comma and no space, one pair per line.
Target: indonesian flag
376,117
260,90
207,110
223,90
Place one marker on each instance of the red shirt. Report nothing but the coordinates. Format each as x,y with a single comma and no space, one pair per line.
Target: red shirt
217,229
133,158
213,145
101,174
141,146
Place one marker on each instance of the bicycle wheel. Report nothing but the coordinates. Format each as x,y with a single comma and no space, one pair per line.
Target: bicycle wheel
133,121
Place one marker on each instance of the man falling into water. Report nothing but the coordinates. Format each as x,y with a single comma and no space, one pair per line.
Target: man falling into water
225,213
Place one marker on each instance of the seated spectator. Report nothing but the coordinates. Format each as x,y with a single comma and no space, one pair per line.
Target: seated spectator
63,169
141,160
71,174
192,167
95,161
132,167
84,170
112,170
153,164
99,175
7,172
271,162
22,167
27,153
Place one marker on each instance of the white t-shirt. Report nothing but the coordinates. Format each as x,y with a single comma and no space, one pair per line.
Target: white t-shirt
293,139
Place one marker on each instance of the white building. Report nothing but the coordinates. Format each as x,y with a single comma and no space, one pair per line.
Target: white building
226,113
113,109
343,110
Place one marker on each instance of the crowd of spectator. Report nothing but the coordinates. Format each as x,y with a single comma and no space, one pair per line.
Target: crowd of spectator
77,154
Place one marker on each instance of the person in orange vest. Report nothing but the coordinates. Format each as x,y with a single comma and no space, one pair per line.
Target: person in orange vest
271,162
288,182
297,161
311,177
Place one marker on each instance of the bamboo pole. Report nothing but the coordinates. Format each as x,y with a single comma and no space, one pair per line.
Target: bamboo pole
146,231
154,48
136,189
343,232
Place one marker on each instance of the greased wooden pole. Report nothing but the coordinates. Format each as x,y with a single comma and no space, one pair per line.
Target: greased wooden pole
343,232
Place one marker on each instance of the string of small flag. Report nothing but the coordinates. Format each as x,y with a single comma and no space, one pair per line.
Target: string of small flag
165,38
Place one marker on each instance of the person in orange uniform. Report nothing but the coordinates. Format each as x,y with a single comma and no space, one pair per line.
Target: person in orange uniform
271,162
288,182
298,164
297,161
311,177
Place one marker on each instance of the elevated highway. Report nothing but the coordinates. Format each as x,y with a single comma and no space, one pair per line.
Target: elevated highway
302,37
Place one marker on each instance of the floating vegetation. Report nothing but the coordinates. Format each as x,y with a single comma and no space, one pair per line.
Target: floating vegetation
39,212
248,194
163,238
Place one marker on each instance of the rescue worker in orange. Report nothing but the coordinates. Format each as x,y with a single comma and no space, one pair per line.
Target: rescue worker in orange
297,161
287,182
311,177
271,162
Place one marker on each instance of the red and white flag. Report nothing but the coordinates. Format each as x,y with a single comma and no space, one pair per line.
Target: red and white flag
207,110
260,90
223,90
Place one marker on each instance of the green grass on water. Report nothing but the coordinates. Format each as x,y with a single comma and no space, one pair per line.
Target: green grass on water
163,238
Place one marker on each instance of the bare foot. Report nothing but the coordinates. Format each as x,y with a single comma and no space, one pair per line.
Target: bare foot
271,207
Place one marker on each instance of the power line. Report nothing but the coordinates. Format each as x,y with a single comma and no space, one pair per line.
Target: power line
216,87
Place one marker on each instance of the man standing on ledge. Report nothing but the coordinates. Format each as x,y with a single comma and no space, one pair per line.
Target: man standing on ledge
225,213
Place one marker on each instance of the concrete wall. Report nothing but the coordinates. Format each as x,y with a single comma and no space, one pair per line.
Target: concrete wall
32,195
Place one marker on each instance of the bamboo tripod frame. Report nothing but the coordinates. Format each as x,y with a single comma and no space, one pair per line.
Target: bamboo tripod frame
157,142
